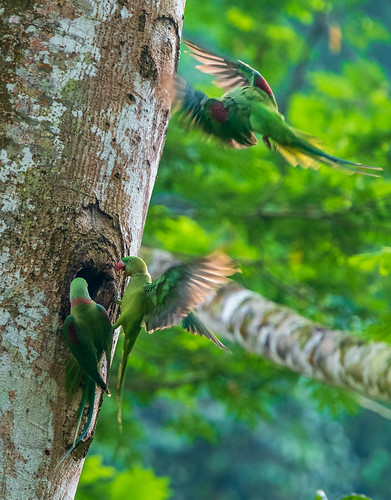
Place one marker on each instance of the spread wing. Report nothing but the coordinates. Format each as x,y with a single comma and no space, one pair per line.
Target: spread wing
221,118
229,73
172,296
194,325
190,101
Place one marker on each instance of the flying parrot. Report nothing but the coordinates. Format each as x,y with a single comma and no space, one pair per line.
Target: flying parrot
88,333
168,300
249,107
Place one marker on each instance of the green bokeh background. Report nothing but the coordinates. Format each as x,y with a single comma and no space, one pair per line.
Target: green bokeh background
199,424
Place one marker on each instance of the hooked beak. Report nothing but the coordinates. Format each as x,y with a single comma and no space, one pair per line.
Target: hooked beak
120,265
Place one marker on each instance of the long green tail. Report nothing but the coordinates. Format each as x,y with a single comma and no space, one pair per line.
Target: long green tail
88,397
306,154
128,346
74,376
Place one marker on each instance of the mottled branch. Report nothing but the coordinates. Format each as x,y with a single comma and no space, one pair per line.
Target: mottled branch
290,340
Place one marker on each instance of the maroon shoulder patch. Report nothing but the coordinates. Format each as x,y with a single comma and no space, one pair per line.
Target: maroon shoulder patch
219,112
73,335
262,84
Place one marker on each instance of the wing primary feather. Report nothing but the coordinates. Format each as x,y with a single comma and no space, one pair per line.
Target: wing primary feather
181,288
194,325
207,64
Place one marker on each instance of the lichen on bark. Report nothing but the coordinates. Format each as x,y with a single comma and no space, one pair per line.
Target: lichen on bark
78,160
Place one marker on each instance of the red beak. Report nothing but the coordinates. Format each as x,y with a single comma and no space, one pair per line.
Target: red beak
120,265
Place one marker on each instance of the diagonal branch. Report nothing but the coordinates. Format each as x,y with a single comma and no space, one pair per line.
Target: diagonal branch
290,340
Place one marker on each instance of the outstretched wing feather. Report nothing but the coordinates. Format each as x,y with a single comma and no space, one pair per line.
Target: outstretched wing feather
181,288
194,325
230,74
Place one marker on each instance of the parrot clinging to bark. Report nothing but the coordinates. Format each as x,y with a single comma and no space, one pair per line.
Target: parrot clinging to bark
249,107
88,333
168,300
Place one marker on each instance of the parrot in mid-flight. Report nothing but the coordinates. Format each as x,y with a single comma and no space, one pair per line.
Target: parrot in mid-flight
168,300
249,107
88,333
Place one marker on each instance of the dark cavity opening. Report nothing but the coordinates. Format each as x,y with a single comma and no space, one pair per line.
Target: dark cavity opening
96,280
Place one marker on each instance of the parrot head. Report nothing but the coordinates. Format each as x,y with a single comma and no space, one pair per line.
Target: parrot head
132,266
79,288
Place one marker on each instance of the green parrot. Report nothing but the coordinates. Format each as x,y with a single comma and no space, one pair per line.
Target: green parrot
88,333
168,300
249,107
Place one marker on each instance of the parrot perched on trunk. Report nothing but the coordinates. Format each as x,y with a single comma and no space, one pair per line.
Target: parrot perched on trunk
88,333
168,300
249,107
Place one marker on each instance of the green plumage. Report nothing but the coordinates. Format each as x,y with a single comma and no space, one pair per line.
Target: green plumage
88,333
248,108
168,300
76,376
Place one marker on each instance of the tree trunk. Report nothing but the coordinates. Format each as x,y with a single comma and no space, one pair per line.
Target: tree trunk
287,339
84,97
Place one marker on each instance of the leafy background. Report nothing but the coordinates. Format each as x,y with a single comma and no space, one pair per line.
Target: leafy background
199,423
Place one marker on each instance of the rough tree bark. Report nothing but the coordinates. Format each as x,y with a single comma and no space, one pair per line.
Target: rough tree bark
84,107
290,340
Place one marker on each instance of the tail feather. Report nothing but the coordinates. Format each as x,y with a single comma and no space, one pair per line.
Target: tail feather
194,325
74,375
295,157
305,152
88,397
128,346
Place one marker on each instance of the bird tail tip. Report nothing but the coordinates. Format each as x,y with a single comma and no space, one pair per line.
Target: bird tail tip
307,154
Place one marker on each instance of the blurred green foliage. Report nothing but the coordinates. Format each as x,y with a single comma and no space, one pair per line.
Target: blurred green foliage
229,427
320,495
105,483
